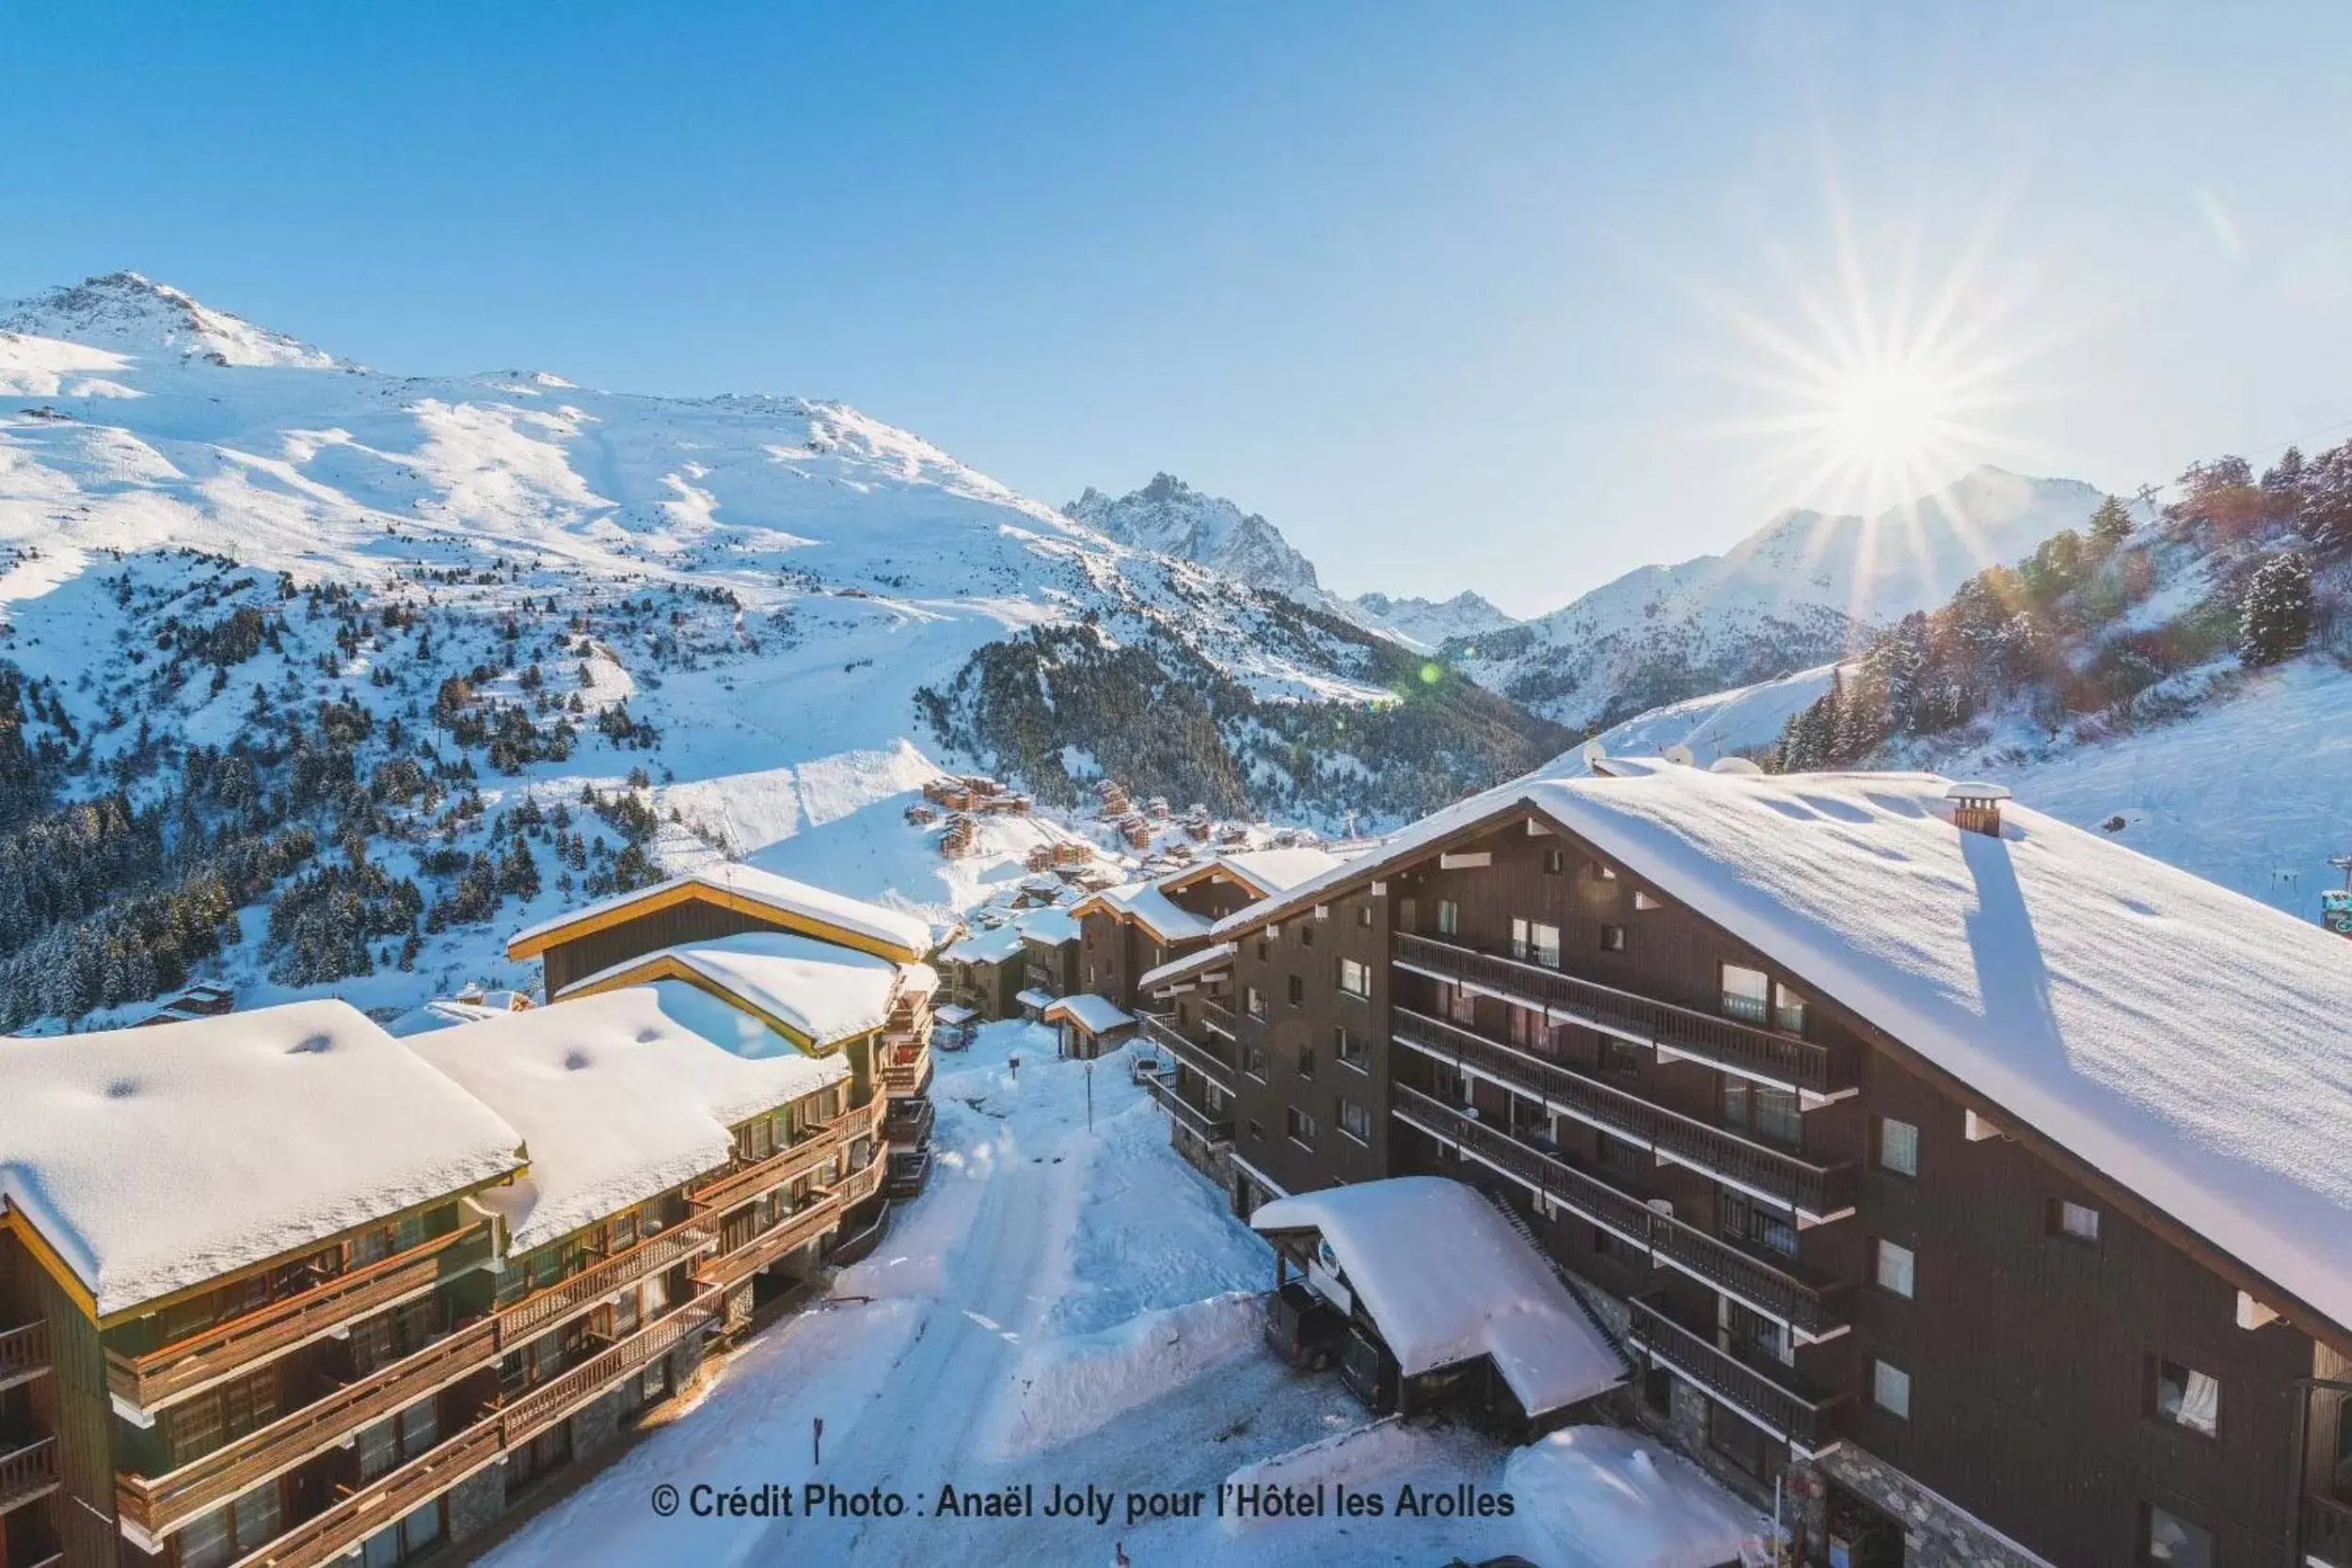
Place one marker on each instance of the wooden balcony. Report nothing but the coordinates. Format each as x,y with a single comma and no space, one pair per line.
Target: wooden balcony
228,1348
1776,1399
1817,1191
861,1183
795,1230
909,1131
1815,1309
740,1185
1212,1130
389,1497
161,1504
2326,1530
1220,1018
24,1353
1768,1055
1211,1059
567,1298
905,1068
910,1022
537,1409
27,1471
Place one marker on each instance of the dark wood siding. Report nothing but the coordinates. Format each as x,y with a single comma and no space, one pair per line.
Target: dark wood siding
691,921
69,1403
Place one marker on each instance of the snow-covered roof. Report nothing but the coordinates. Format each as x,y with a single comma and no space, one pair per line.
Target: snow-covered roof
442,1012
1052,925
153,1160
901,936
1153,910
1272,871
1191,963
619,1097
986,947
1035,998
2182,1039
953,1014
1614,1497
1096,1015
1446,1280
819,992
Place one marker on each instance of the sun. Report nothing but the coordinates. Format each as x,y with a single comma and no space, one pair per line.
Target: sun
1891,416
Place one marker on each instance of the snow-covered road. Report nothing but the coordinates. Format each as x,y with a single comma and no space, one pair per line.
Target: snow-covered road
1061,1307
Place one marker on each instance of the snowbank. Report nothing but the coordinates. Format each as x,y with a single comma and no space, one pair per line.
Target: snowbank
1355,1459
1605,1498
1446,1280
151,1160
1070,1388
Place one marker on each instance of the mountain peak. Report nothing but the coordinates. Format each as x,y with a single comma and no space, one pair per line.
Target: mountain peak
133,311
1169,516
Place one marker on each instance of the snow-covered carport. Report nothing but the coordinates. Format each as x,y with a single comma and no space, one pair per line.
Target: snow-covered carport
1428,1270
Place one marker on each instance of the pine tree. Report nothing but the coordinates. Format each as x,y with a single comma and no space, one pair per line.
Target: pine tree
2275,616
2110,525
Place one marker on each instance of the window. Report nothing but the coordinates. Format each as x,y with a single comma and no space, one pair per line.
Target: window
1896,1269
2188,1397
1300,1126
1617,1155
1252,1003
1256,1130
1787,1010
2172,1541
1890,1389
1355,1121
1262,950
1612,939
1355,977
1532,942
1746,992
1744,1329
1306,933
1555,860
1741,1218
1407,915
2078,1221
1449,918
1306,1061
1347,1049
1774,1113
1606,872
1620,1058
1458,1005
1363,916
1899,1147
1253,1061
1297,989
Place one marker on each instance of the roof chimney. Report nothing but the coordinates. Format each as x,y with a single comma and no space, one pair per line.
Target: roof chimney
1977,807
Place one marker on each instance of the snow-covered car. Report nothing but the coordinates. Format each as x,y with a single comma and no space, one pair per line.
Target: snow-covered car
1147,1064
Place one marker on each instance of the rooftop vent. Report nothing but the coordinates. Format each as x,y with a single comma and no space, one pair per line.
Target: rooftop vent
1977,807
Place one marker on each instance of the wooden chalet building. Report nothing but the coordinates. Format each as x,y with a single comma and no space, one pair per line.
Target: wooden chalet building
828,973
1126,931
1983,1184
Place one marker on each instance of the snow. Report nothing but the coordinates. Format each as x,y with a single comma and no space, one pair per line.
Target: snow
910,936
1177,969
1036,998
1613,1499
156,1159
1742,719
442,1012
1072,1386
1151,909
1051,925
1446,1280
987,947
2181,1038
822,992
1278,870
1094,1014
619,1097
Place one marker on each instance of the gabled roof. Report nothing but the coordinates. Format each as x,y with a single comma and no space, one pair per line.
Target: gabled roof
1261,872
1199,962
1445,1280
1148,907
813,911
992,946
620,1098
1096,1015
2179,1040
151,1160
816,994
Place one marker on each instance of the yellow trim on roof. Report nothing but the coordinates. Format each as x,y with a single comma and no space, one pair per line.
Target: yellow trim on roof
654,900
15,1221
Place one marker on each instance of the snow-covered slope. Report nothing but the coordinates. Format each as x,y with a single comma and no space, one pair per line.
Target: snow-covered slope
1429,622
1171,517
1801,589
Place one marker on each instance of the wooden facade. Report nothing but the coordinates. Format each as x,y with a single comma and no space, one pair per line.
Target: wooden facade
1799,1222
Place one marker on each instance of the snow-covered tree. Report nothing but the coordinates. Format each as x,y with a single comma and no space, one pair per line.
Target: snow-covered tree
2275,616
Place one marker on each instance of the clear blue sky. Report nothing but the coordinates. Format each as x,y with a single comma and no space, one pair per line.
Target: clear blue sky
1457,297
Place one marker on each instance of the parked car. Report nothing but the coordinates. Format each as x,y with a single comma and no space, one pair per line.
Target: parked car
1371,1372
1304,1329
1145,1064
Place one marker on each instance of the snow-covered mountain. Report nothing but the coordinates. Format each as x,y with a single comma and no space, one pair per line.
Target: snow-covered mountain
295,603
1171,517
1430,623
1801,589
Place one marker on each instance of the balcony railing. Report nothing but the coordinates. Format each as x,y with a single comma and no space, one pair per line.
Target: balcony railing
2328,1531
739,1186
1217,1016
24,1353
1777,1401
910,1131
1774,1056
795,1230
165,1502
1819,1191
224,1349
904,1067
1210,1059
537,1409
861,1183
1812,1307
1208,1129
27,1472
567,1298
